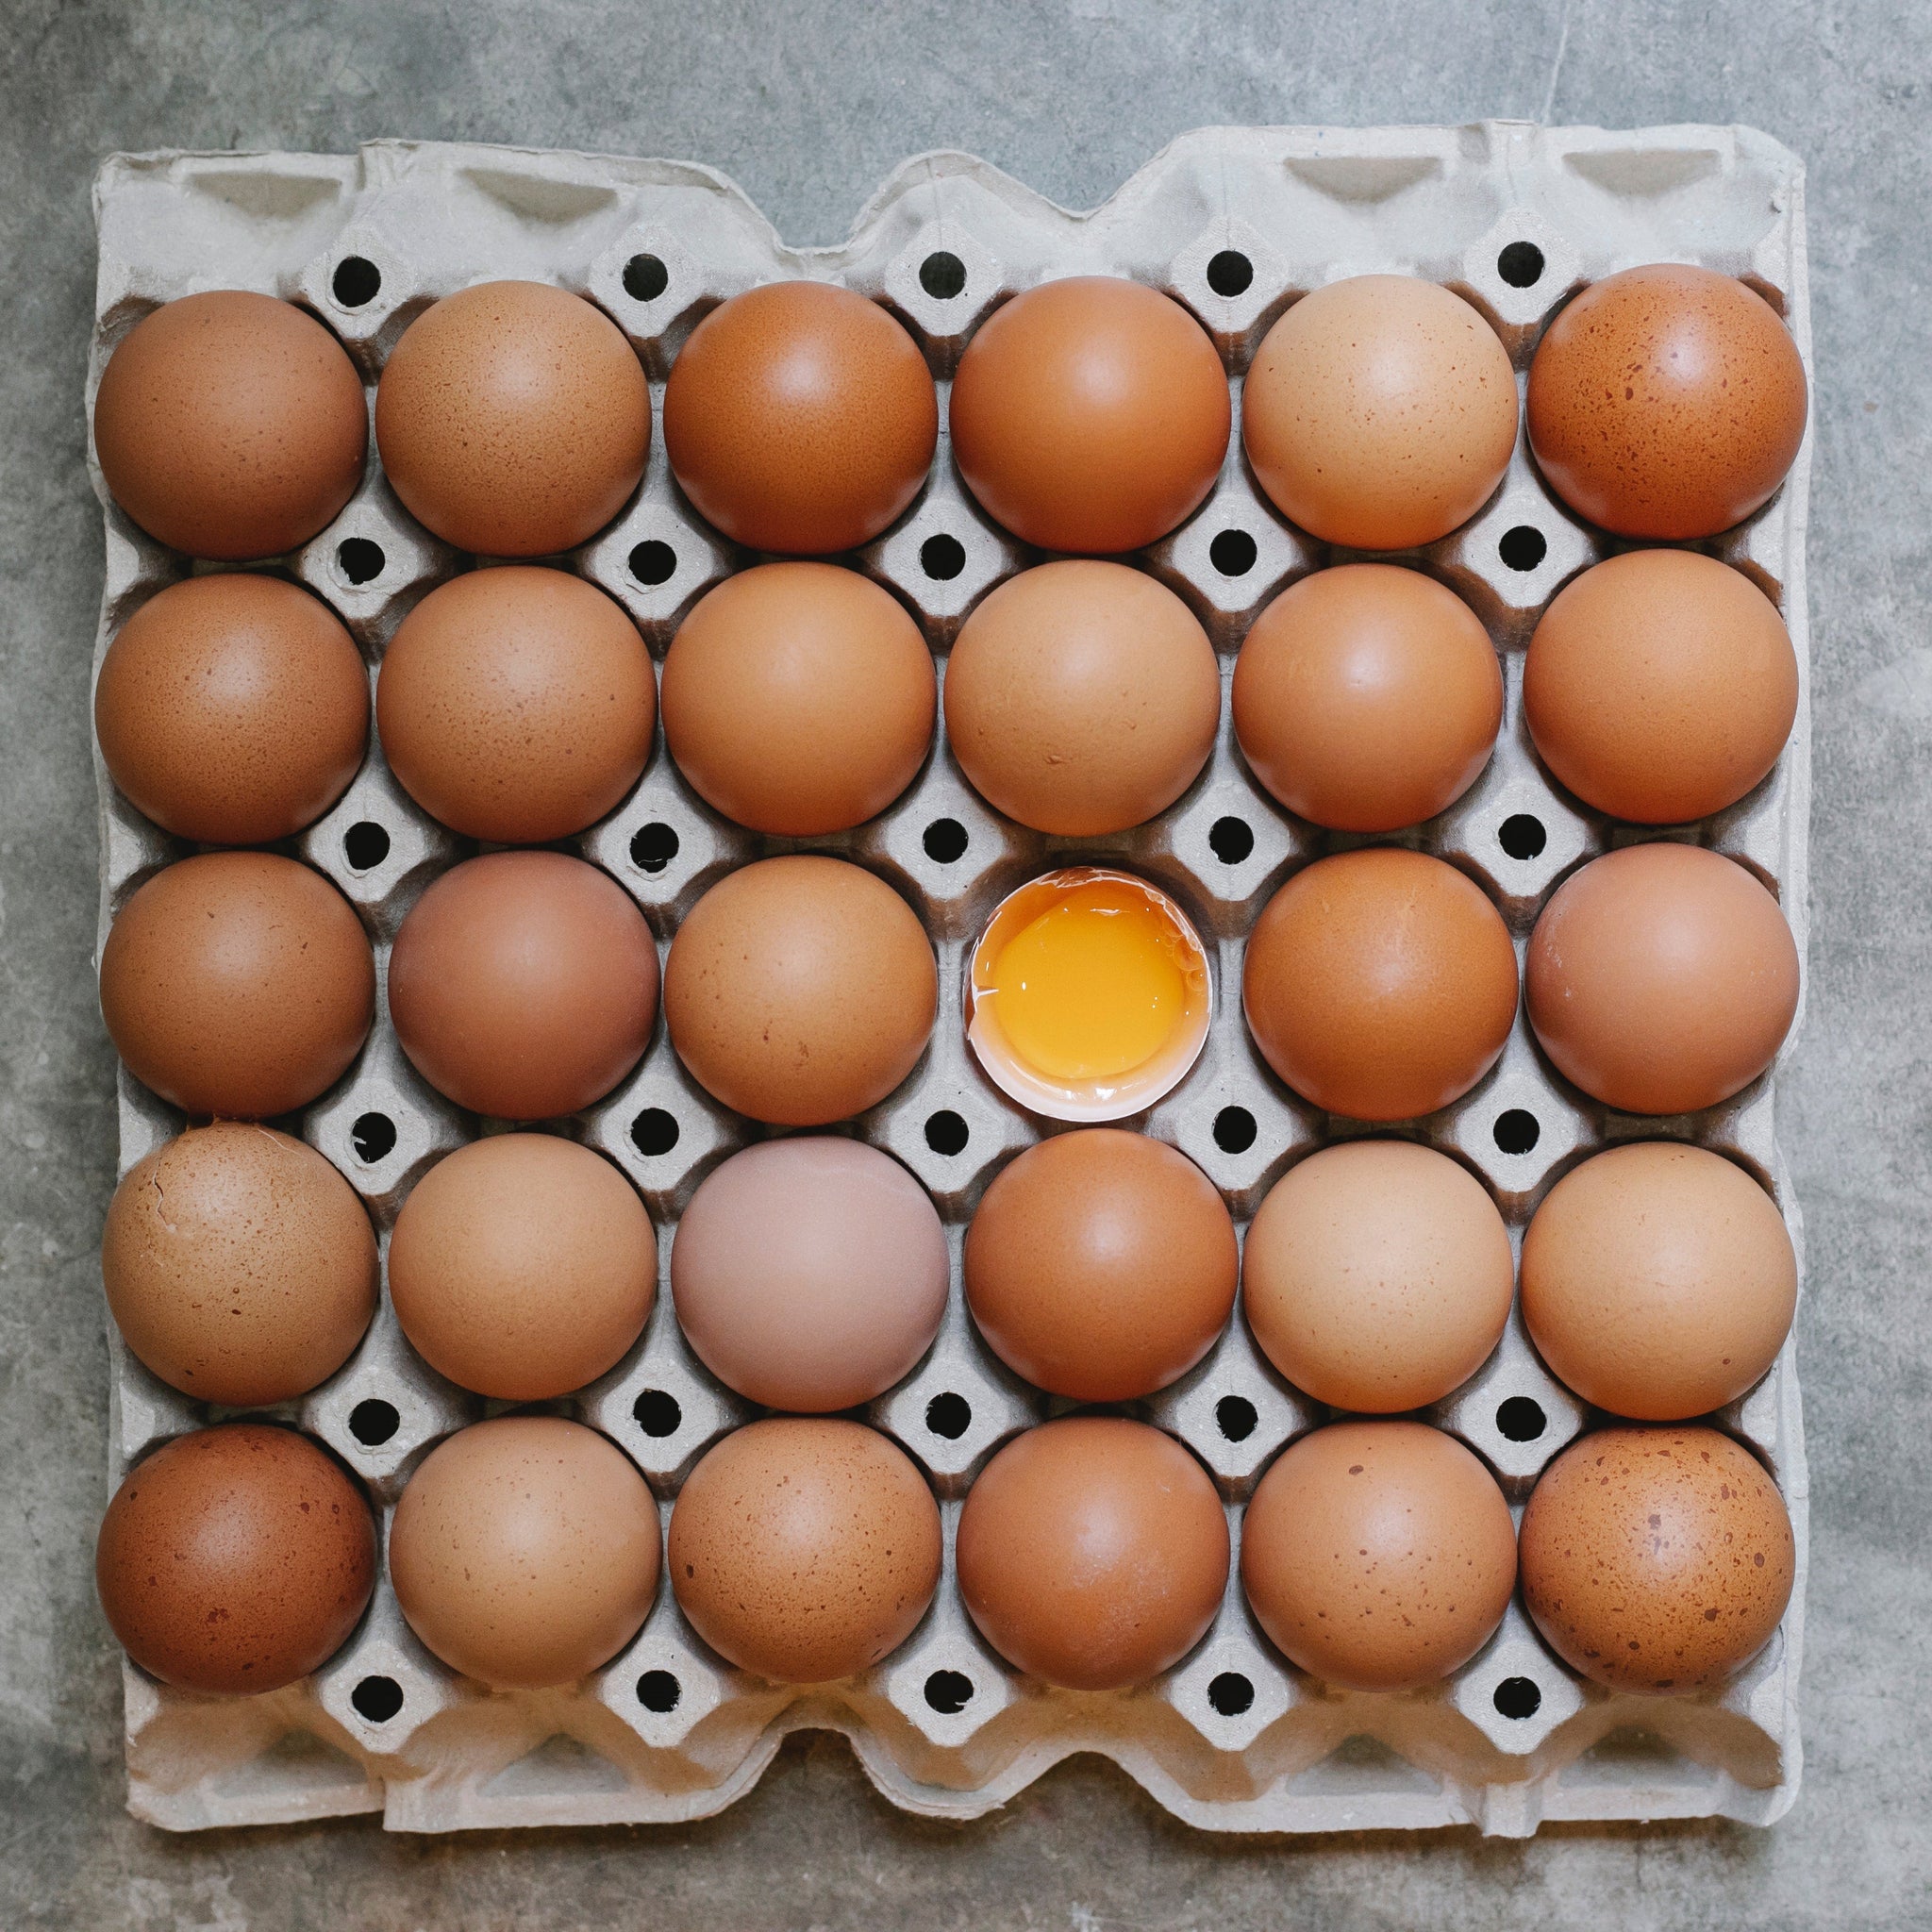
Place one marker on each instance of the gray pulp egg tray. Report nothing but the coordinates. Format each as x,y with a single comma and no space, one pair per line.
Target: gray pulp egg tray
1235,223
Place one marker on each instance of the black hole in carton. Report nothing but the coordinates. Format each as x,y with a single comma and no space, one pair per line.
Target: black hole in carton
365,845
1517,1130
654,1132
946,1132
1522,1418
378,1699
372,1136
1231,1693
653,846
1518,1697
1235,1417
653,561
645,278
1234,1130
1230,839
658,1691
1230,273
357,281
949,1415
1233,552
944,841
942,557
374,1422
949,1692
1524,547
1521,264
942,274
1522,835
361,560
656,1412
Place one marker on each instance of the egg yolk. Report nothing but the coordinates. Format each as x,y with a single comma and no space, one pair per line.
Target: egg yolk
1093,987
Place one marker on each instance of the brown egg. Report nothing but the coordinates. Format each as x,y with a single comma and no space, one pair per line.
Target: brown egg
1101,1265
514,418
523,1267
800,417
1380,984
809,1273
239,1265
232,710
1090,414
525,1551
1661,978
1667,401
1657,1560
1379,1556
230,424
1092,1553
238,983
517,704
1082,698
1380,412
799,699
1367,698
1658,1281
1661,686
800,990
235,1560
523,985
1377,1275
804,1550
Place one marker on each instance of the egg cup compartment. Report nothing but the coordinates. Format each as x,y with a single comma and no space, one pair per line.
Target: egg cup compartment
1236,224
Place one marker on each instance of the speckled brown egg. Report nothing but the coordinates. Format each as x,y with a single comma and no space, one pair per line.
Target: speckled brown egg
800,990
1380,412
514,418
1661,978
239,1265
1657,1560
800,418
1367,698
238,983
1377,1275
799,699
1667,401
230,424
1101,1265
236,1559
1380,984
516,704
522,1266
1658,1281
232,710
1092,1553
1090,414
525,1551
523,985
804,1550
1082,698
1661,686
1379,1556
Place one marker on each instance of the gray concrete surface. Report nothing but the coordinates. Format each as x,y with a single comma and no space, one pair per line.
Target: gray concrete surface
807,104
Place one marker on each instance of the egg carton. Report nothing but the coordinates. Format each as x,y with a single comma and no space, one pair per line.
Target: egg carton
1234,223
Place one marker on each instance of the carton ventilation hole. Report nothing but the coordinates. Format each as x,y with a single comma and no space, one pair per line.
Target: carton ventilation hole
372,1136
645,278
657,1413
1517,1130
1522,1418
654,1132
360,559
356,282
1518,1697
949,1416
652,561
944,841
365,845
1231,1693
1233,552
1230,273
942,557
374,1422
1230,839
376,1699
1521,264
658,1691
946,1132
1235,1417
1234,1130
1524,547
949,1692
1522,835
653,846
942,274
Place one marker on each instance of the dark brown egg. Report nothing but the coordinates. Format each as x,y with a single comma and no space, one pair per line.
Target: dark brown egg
1101,1265
514,418
517,704
238,983
1082,698
1380,984
230,424
801,418
239,1264
232,710
1367,698
1092,1553
1090,414
1661,978
800,990
804,1549
236,1561
1667,401
799,699
523,985
1661,686
1657,1560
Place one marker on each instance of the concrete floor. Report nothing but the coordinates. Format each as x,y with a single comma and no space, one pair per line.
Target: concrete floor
809,104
